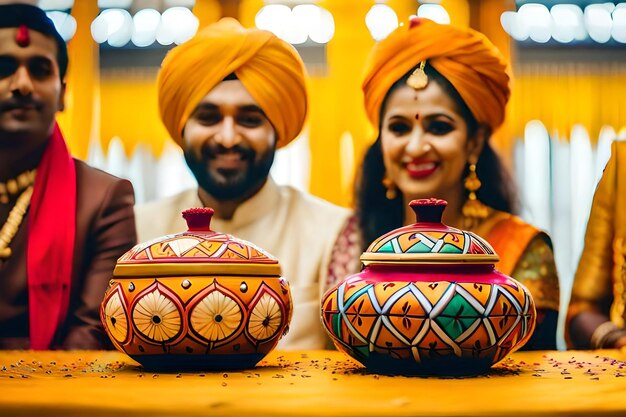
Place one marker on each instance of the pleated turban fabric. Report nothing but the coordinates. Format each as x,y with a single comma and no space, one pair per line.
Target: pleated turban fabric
471,63
268,67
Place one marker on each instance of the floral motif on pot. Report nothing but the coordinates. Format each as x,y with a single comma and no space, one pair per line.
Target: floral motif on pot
197,300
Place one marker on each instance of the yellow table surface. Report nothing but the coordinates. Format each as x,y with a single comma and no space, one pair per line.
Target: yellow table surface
309,383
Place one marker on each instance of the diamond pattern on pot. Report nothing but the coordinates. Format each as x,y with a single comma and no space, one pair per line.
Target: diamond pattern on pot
431,241
423,319
458,317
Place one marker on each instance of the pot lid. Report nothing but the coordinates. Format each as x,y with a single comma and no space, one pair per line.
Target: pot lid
429,241
198,251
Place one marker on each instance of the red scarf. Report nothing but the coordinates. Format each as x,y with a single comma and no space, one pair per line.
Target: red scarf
52,226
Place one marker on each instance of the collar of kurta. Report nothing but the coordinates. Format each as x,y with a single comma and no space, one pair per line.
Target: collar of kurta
250,210
51,234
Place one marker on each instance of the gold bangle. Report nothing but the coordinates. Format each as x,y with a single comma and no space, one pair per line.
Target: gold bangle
599,334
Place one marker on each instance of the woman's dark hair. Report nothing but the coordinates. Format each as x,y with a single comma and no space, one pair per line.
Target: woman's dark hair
378,215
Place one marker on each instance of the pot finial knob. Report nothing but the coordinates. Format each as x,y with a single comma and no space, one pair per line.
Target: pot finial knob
428,210
198,219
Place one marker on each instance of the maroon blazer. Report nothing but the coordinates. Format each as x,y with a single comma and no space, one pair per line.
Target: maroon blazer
105,229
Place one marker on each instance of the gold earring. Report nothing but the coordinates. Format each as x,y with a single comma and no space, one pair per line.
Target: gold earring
473,209
390,186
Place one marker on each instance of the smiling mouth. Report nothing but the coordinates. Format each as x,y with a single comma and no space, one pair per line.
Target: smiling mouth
421,169
229,161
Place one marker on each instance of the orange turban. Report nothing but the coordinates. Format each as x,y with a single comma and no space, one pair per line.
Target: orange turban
466,58
268,67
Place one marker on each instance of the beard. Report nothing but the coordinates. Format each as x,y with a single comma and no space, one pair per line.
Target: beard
230,184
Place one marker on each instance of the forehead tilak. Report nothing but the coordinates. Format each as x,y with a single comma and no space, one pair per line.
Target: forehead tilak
22,36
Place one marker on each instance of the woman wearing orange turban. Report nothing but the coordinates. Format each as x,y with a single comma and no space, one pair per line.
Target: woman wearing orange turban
436,93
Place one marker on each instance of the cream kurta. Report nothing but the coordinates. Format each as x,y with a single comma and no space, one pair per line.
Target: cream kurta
297,228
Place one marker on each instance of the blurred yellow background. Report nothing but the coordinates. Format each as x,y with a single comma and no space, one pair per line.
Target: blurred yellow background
123,103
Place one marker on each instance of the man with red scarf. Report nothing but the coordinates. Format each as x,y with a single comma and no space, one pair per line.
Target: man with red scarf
63,224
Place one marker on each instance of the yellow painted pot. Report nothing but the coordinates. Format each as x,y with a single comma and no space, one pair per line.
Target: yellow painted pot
197,300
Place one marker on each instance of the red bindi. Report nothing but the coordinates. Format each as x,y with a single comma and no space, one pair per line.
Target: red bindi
22,37
417,116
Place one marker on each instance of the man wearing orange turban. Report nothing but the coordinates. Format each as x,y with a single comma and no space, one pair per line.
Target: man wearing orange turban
436,93
230,97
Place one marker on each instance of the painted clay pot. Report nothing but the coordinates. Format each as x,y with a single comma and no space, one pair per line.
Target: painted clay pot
429,301
197,300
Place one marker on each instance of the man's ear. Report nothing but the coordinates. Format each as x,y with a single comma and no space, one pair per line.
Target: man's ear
476,143
61,105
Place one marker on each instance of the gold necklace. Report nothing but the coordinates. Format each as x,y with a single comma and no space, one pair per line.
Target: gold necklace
9,229
15,185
